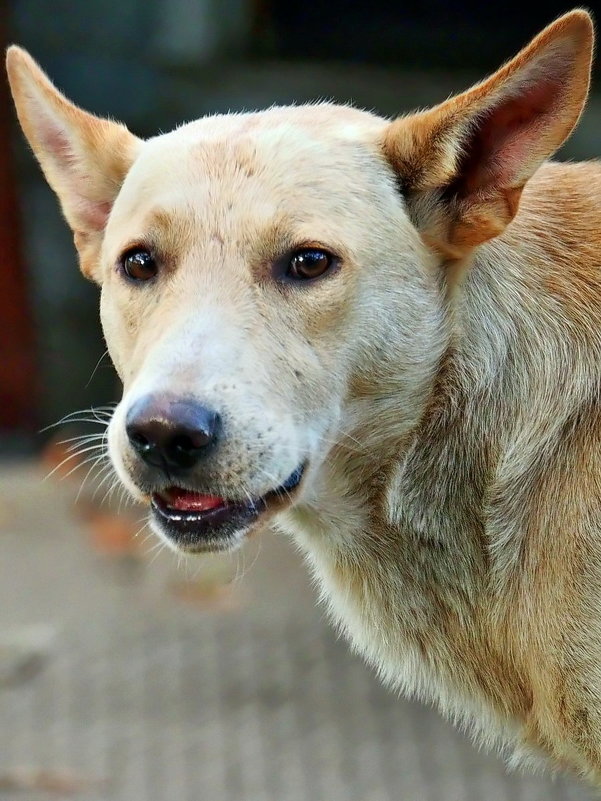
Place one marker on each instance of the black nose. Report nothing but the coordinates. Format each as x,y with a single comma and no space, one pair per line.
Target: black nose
170,432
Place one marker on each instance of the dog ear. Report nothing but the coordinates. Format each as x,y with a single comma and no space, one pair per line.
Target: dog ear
84,158
463,164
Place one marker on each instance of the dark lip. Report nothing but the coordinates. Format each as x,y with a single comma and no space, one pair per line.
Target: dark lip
222,528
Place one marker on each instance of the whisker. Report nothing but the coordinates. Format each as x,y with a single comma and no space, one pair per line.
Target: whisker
280,491
148,536
97,366
340,442
247,569
109,493
68,459
79,437
106,474
94,466
157,550
81,464
124,498
84,441
96,446
239,556
99,414
140,530
74,420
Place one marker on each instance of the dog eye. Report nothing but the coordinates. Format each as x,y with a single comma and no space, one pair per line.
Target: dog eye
139,265
309,263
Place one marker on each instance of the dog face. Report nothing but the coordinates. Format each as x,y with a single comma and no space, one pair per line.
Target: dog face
262,275
265,245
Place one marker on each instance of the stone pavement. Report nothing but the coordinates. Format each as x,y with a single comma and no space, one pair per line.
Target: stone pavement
128,678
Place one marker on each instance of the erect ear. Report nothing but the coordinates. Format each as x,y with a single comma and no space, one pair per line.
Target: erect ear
84,158
463,164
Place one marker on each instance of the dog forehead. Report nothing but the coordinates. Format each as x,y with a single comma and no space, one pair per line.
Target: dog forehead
241,172
277,146
320,119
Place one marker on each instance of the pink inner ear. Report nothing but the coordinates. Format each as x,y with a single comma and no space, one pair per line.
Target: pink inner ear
503,142
93,214
79,204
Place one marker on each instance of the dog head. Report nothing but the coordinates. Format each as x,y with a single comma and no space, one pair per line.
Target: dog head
261,273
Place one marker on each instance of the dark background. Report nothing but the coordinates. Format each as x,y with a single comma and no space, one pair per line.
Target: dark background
155,63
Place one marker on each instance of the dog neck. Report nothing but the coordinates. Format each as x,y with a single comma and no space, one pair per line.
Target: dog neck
425,542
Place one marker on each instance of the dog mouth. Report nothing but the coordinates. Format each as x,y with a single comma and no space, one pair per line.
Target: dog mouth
197,522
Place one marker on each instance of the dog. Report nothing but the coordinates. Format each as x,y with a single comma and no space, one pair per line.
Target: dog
383,338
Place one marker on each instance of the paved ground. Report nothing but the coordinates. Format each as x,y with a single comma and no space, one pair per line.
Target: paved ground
126,678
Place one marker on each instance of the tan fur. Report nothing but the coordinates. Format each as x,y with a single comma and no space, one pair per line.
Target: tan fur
443,384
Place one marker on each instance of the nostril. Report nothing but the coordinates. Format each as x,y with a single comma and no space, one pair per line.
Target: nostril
185,444
184,449
191,441
139,441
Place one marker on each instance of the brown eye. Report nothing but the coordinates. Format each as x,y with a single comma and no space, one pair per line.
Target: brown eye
139,265
309,263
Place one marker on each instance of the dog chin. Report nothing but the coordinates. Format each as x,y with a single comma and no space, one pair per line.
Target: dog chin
192,542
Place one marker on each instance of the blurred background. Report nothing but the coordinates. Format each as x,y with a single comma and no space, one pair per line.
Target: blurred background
124,675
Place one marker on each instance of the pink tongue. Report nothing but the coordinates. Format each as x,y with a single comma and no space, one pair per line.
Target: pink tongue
186,501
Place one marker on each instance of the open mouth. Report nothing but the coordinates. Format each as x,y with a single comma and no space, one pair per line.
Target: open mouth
196,522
